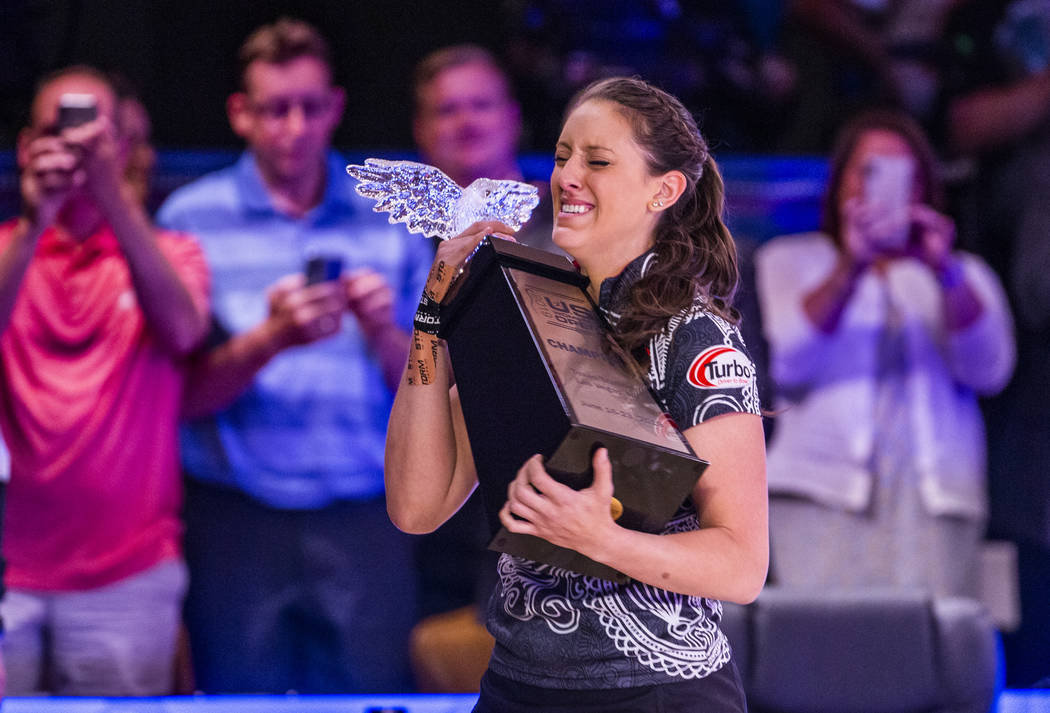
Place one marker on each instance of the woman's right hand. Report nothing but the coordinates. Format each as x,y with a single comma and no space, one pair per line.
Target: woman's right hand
453,253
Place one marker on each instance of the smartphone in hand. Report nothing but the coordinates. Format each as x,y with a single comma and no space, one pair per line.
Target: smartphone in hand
888,185
76,109
323,268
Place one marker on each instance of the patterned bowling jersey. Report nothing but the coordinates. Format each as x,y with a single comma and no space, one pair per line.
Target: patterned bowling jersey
559,629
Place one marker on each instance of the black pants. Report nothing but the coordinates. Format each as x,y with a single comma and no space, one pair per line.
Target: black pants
317,601
721,692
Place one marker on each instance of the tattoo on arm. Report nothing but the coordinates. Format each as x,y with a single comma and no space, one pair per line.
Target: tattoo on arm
436,287
422,366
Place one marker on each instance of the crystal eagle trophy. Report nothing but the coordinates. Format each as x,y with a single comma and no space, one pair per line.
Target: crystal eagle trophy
536,370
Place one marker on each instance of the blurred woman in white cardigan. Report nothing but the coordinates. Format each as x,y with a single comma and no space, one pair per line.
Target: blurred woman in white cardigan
881,339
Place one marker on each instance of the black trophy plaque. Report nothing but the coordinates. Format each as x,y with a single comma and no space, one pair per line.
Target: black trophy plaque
526,346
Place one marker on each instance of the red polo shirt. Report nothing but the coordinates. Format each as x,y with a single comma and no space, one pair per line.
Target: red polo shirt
89,405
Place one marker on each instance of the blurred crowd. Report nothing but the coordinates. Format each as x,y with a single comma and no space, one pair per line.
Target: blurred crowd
194,402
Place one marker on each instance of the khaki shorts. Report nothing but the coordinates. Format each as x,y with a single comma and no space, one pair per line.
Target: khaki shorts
117,640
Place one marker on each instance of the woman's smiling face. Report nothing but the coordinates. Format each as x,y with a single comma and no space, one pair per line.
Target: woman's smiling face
602,187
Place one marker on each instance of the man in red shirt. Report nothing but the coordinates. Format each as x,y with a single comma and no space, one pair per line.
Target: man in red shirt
97,311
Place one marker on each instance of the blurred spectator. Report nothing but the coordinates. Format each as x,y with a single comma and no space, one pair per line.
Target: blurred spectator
137,129
141,157
97,310
467,123
853,54
298,579
881,336
997,112
711,54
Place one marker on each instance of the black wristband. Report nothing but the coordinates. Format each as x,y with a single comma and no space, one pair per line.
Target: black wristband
428,316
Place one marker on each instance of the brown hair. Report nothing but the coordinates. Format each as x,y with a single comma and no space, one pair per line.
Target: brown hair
280,43
446,58
927,174
693,247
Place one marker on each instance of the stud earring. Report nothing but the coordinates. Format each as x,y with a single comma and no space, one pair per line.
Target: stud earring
658,204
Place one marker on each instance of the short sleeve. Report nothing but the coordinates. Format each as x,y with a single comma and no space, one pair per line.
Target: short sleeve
708,372
187,258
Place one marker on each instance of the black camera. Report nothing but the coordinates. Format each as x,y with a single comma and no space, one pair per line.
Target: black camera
76,109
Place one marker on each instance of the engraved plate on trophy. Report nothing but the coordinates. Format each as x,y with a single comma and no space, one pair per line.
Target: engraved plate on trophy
599,388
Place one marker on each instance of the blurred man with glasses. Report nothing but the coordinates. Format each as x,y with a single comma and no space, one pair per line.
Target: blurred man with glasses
298,580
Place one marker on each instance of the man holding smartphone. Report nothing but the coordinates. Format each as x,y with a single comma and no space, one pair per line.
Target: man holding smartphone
298,579
97,311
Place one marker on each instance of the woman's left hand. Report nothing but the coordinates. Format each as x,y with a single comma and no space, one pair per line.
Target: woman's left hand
936,235
580,520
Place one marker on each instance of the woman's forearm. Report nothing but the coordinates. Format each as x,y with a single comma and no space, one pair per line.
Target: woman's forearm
825,305
711,562
428,471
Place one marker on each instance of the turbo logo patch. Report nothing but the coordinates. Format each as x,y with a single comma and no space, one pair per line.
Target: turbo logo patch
720,367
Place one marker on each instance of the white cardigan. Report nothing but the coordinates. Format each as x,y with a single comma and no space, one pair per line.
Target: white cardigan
826,383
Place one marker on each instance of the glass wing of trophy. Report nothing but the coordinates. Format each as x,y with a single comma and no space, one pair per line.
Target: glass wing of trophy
537,372
429,202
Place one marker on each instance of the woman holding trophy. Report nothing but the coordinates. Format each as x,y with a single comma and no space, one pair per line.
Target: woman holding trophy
638,202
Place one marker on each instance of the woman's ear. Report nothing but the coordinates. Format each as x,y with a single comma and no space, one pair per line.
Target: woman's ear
671,187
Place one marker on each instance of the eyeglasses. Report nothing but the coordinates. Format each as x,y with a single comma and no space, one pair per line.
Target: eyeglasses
312,107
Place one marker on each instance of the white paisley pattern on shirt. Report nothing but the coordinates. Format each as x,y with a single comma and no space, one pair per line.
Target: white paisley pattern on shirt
666,632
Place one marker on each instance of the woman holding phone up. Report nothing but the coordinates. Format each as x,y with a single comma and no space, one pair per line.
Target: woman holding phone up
881,337
638,203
